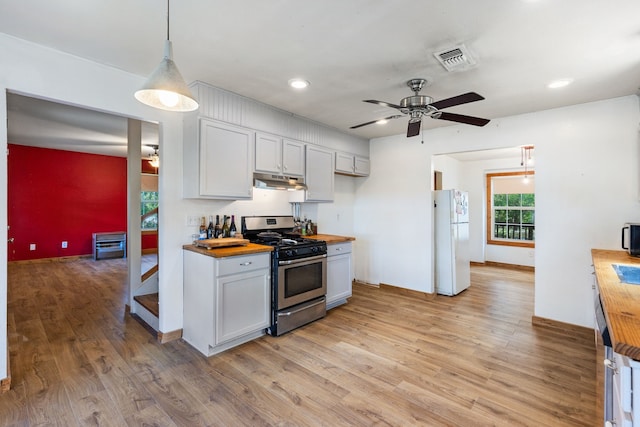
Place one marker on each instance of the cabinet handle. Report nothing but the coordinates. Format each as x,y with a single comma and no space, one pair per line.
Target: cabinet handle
338,249
246,263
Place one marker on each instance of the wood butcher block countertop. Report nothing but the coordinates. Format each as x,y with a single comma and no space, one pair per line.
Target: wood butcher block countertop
621,301
250,248
331,238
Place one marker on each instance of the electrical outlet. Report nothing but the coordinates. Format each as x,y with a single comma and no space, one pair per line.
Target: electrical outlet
32,247
193,221
64,245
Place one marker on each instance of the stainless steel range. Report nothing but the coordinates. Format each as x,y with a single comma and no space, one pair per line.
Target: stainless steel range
298,271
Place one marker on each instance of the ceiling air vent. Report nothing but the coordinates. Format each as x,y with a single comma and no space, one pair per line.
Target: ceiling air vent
455,59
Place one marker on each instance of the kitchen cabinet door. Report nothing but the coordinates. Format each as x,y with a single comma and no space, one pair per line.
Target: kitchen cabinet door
242,304
339,274
292,157
361,166
344,163
218,160
319,174
268,153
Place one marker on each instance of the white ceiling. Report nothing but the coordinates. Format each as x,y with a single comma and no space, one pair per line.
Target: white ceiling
351,50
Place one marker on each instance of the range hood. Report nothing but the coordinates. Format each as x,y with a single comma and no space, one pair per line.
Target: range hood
278,182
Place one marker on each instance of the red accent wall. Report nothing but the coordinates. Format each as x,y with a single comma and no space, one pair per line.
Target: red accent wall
57,196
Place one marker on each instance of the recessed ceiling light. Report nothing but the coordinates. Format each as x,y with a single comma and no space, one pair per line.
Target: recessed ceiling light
556,84
298,83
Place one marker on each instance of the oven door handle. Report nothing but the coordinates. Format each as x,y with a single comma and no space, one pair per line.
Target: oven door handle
301,260
290,313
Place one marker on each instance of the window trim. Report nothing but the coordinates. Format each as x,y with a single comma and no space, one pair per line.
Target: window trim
489,213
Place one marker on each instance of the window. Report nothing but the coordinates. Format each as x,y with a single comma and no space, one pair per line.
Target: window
149,202
149,210
511,209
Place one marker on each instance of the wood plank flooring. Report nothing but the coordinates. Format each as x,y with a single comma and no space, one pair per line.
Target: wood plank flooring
383,359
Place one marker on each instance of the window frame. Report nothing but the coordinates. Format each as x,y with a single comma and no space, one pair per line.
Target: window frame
489,212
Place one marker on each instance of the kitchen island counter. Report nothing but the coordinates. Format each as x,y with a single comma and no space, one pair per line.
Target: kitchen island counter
228,251
620,301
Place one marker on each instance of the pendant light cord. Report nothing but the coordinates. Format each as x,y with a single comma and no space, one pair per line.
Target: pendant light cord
167,19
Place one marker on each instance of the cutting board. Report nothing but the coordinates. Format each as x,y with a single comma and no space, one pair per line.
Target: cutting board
221,243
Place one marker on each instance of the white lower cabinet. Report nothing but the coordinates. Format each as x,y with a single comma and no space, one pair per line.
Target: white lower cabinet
339,274
226,300
626,403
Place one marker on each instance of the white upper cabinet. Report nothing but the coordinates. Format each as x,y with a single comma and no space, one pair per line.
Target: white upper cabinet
320,174
279,155
218,161
350,164
292,157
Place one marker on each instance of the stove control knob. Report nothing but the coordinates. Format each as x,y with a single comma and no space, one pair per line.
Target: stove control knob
315,249
288,252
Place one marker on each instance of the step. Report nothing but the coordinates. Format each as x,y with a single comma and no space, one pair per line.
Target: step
150,302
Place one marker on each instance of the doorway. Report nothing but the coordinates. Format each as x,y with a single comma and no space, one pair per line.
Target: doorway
56,141
467,171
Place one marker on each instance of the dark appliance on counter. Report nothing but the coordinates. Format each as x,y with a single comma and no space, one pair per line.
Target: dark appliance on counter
632,232
298,271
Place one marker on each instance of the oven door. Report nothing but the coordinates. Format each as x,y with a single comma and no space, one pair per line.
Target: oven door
301,280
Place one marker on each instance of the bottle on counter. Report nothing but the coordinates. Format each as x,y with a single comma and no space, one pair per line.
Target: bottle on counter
225,227
217,229
203,229
232,227
210,229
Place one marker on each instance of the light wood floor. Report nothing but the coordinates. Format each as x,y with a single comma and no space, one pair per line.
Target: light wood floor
383,359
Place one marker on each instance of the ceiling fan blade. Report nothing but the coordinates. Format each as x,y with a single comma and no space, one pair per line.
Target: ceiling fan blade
414,128
457,100
384,104
375,121
469,120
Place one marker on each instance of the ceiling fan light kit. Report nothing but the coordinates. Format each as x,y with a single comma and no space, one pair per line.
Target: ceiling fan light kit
418,106
165,88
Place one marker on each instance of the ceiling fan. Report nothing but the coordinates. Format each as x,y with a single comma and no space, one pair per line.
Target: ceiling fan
418,106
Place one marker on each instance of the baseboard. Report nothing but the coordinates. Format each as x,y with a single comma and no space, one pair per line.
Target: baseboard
568,328
49,260
165,337
360,282
503,265
407,292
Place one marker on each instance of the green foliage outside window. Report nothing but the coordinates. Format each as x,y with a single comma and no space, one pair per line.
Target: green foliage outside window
149,203
514,216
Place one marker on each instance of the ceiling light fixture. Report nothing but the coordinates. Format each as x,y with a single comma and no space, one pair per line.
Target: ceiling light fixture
165,88
154,159
557,84
299,83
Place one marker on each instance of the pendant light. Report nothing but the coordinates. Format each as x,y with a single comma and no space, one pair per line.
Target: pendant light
165,88
154,159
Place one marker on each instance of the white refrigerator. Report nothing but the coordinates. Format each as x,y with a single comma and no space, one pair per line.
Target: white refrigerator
451,229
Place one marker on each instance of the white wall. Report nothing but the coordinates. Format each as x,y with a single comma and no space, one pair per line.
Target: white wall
34,70
586,187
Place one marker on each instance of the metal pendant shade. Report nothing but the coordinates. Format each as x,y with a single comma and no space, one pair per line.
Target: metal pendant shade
165,88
